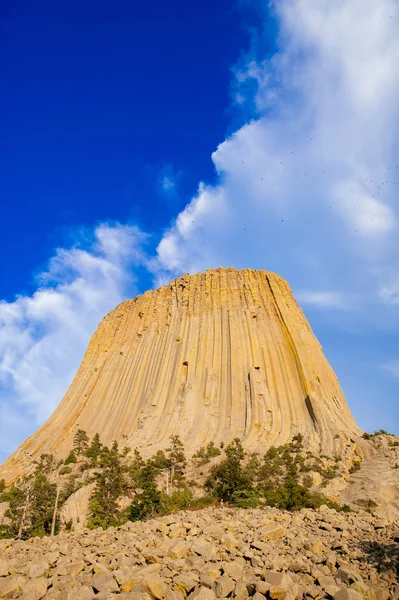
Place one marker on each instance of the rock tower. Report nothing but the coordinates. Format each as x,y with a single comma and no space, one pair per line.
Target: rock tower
210,357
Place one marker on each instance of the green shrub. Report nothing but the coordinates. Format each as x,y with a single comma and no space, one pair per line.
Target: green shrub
71,458
203,502
205,453
355,467
68,525
65,470
178,500
246,498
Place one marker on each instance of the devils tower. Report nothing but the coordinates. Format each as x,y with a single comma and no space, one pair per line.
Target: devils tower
210,357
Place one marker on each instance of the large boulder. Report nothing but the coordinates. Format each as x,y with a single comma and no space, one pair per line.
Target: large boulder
75,511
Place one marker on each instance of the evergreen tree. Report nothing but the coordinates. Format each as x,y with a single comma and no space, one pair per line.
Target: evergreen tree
71,458
162,464
147,499
2,485
109,487
229,479
177,461
135,468
94,450
16,499
205,453
31,507
42,504
80,442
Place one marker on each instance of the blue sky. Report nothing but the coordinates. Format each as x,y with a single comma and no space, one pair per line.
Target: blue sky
141,141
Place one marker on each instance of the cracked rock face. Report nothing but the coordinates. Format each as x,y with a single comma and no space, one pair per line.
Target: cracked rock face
210,357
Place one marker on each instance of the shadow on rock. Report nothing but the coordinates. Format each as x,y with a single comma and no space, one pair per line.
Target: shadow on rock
382,556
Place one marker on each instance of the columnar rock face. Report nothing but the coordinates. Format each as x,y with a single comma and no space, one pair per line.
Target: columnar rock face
210,357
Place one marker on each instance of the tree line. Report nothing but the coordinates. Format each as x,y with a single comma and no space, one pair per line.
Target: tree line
159,485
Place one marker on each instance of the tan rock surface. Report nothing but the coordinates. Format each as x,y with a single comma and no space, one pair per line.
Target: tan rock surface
76,508
209,357
86,564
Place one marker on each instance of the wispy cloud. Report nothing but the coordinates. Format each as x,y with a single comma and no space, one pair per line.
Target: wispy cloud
334,300
390,293
168,182
43,336
391,367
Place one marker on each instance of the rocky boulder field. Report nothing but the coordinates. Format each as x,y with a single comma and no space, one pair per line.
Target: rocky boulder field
209,554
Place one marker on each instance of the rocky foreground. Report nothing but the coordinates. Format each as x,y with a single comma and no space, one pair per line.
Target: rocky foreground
209,554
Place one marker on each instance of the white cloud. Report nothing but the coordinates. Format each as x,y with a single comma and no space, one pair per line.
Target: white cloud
308,187
390,293
168,182
392,367
43,336
323,299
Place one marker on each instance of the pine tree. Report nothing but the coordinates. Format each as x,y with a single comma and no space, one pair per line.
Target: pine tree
162,464
42,504
16,499
148,498
135,468
31,507
80,442
230,478
109,487
178,462
94,450
71,458
55,511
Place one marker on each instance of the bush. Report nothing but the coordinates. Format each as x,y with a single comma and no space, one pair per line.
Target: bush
246,498
65,470
355,467
368,436
68,525
71,458
203,502
205,453
178,500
